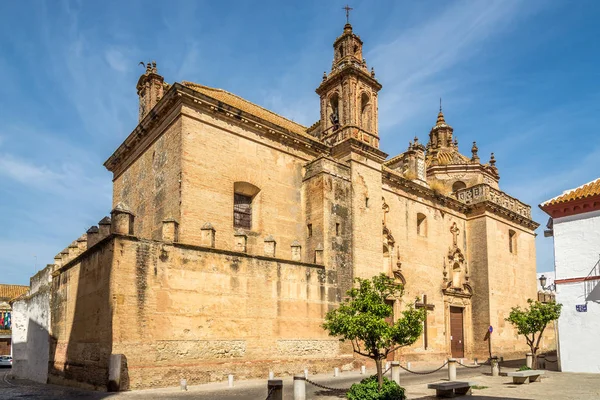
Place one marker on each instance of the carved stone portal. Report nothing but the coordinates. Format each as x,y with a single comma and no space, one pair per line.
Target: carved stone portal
456,272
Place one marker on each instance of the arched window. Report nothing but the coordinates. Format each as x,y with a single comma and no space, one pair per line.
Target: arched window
244,194
512,241
365,112
458,185
421,225
334,115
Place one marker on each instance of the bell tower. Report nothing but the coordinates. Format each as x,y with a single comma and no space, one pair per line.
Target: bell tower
349,94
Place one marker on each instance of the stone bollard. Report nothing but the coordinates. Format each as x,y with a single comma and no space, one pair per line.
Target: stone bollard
476,361
529,360
363,370
275,387
336,372
451,369
230,381
387,366
306,373
495,366
183,384
541,361
408,365
396,372
299,387
271,375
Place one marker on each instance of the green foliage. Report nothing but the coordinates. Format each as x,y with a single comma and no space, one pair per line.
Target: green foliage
478,387
524,368
368,389
361,318
533,319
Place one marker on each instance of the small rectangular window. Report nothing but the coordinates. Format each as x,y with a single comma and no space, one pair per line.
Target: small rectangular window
512,241
337,229
242,211
366,202
309,230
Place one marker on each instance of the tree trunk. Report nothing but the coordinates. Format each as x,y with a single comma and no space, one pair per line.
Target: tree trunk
533,359
379,373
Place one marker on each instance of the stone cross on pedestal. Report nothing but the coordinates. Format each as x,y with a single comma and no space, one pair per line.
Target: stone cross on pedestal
455,231
427,307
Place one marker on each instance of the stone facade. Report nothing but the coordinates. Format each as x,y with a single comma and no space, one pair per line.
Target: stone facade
235,230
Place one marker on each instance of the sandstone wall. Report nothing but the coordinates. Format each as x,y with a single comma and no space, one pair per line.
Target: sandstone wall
150,186
511,278
216,155
180,311
82,317
422,256
200,314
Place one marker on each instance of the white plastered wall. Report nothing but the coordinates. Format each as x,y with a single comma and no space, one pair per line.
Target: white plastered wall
576,251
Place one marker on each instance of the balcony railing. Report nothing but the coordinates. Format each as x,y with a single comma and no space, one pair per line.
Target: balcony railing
591,282
484,192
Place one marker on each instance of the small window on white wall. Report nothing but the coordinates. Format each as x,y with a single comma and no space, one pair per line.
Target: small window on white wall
421,225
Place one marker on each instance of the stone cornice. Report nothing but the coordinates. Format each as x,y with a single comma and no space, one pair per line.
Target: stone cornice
343,70
392,177
352,145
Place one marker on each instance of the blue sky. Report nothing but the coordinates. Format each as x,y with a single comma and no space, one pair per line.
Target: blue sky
520,77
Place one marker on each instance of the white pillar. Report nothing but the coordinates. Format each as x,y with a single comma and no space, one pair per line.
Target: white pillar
230,381
451,369
495,366
396,372
336,371
183,384
271,375
299,387
529,360
363,370
305,373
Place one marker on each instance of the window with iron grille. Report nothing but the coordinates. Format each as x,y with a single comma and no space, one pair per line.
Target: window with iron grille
242,211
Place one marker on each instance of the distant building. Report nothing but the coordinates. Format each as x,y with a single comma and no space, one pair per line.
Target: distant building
7,293
575,226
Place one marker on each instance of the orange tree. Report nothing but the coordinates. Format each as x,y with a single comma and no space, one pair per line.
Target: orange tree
361,319
532,321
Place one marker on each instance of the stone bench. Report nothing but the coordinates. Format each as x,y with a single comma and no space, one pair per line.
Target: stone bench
530,375
451,389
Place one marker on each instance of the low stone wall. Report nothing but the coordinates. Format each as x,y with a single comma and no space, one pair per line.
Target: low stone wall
179,311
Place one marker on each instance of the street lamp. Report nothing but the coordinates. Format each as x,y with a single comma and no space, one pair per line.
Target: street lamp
543,281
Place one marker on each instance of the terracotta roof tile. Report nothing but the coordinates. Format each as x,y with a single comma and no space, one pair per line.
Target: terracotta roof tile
249,107
9,292
589,189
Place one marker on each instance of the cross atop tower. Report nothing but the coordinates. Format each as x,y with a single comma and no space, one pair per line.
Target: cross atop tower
348,9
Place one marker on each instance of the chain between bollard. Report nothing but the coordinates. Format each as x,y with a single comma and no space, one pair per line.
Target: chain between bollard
551,361
424,372
469,366
325,387
270,393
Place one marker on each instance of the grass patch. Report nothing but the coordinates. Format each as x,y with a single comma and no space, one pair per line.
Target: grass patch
477,387
524,368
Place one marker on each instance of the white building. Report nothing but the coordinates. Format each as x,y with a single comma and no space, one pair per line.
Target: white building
575,226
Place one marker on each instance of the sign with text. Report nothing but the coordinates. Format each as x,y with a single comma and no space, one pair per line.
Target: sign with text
581,307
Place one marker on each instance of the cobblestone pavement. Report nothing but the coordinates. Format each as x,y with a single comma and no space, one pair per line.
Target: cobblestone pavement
243,390
554,386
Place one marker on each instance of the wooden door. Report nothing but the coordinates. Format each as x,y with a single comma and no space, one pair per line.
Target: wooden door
390,321
457,339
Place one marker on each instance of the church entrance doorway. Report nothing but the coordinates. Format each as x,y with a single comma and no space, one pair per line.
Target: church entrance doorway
457,339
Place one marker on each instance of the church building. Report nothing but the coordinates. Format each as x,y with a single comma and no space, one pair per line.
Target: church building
234,230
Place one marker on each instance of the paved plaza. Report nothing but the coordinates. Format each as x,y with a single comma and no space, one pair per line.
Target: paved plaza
555,385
